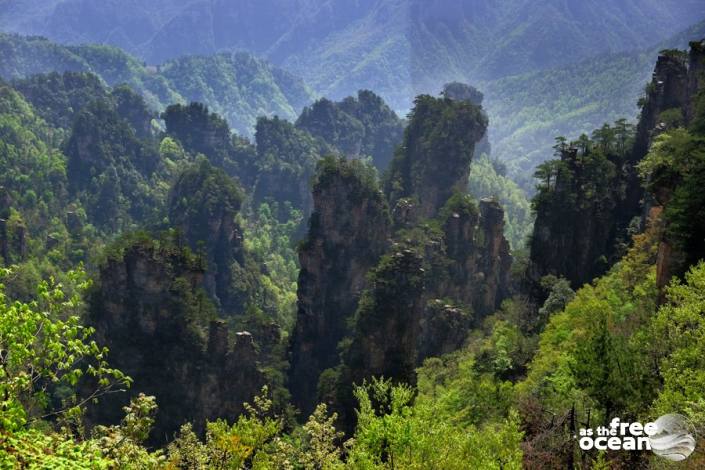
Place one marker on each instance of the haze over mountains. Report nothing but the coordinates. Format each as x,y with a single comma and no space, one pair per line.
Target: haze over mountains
238,86
290,279
339,46
542,64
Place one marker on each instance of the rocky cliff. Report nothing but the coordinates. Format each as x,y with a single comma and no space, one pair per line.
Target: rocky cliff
591,199
445,267
286,160
348,232
150,309
576,223
388,322
675,100
479,254
203,204
355,127
434,158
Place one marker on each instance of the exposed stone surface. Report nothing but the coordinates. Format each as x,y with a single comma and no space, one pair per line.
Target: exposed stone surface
668,89
362,314
480,256
443,329
349,231
202,205
149,308
676,82
577,235
389,321
434,158
578,241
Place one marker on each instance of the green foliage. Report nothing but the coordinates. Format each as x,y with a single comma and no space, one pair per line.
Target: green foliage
486,182
590,181
46,351
200,194
592,354
200,131
271,243
237,86
559,295
674,170
286,162
114,173
437,148
679,339
395,432
227,446
123,444
58,97
109,447
35,448
359,174
529,109
32,172
359,126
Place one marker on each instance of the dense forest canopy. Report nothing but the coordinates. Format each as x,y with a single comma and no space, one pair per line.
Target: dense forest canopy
206,263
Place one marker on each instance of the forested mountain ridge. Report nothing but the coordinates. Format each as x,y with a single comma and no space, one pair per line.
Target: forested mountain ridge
526,109
157,310
238,86
596,179
340,46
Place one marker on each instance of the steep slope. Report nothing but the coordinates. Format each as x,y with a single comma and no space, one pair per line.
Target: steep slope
590,199
348,232
150,307
378,296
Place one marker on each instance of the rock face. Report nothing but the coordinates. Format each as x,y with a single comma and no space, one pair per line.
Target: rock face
287,159
589,201
110,169
372,308
434,158
479,254
149,308
574,236
463,91
203,204
201,131
676,83
389,321
349,231
669,88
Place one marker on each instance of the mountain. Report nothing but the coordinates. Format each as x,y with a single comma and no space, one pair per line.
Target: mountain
528,111
238,85
395,47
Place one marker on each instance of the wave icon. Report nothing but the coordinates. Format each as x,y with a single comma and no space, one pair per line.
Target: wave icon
673,439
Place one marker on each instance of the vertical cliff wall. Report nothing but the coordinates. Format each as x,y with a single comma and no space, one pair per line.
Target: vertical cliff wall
348,232
150,309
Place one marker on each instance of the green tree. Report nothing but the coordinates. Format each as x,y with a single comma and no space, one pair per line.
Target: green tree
44,352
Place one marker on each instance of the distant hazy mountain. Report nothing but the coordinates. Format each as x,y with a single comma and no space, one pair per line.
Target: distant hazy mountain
238,86
395,47
527,111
